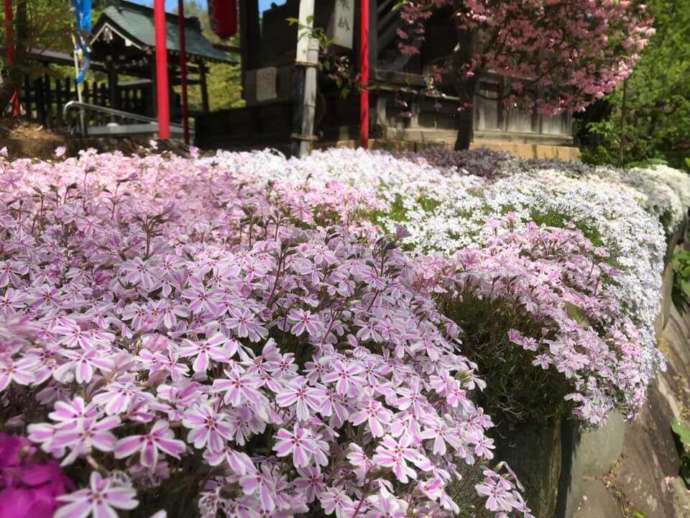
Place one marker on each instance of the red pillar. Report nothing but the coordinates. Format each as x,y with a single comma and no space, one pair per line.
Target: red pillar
9,44
162,84
183,69
364,76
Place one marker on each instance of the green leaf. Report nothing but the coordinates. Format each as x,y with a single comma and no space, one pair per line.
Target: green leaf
682,431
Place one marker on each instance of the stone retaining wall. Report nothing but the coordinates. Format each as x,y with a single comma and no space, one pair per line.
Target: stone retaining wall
525,150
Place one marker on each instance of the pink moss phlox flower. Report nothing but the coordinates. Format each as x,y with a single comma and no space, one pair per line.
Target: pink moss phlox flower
101,499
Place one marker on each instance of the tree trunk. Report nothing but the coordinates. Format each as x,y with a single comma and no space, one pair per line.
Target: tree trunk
465,88
465,115
13,81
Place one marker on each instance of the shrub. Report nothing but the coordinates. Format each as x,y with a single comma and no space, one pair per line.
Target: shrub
681,278
538,299
477,162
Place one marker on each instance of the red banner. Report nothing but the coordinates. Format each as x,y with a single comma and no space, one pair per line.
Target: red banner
223,15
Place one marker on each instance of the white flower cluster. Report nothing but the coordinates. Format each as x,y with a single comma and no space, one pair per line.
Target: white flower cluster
444,211
664,191
610,215
661,190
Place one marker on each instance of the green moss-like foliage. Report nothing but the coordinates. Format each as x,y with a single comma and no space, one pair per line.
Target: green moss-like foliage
510,396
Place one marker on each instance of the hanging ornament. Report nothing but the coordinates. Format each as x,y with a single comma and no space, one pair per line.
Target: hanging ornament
223,15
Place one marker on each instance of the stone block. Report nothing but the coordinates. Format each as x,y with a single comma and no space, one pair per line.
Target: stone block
588,454
597,502
599,449
567,153
546,152
534,453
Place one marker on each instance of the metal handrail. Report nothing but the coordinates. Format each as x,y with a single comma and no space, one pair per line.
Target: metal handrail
84,107
76,105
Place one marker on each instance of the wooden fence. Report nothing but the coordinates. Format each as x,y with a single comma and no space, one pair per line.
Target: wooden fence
44,97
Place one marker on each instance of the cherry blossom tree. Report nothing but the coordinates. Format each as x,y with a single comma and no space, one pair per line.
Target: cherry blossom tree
550,55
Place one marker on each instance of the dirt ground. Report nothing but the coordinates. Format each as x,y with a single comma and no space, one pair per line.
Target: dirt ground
27,140
30,140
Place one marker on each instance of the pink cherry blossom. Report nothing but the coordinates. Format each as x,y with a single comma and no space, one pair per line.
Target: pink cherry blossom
555,55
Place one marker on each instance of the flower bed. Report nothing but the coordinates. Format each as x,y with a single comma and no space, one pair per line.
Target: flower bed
250,335
181,337
624,215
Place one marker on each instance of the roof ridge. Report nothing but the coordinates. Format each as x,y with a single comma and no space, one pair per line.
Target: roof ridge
192,22
135,22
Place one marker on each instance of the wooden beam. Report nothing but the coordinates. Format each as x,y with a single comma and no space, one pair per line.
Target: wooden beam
112,86
373,33
250,35
204,88
11,54
305,81
182,34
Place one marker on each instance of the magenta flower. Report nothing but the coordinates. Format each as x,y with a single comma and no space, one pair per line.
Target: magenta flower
160,437
100,499
27,488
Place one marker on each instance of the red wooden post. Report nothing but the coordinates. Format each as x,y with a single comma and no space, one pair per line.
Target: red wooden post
162,84
183,68
364,76
9,44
